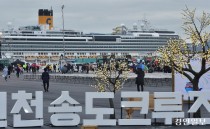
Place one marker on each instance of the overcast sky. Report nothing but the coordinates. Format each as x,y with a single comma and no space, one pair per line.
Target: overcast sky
100,15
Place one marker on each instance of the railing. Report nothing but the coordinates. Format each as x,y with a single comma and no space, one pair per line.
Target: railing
90,80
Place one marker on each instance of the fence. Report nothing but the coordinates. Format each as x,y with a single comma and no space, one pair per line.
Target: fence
90,80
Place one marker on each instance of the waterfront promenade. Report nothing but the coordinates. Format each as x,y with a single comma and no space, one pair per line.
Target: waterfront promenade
77,91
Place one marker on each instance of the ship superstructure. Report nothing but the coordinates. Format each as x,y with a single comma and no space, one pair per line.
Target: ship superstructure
32,43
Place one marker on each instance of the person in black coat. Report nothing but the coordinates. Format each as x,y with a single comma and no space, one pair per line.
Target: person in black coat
45,79
140,79
9,70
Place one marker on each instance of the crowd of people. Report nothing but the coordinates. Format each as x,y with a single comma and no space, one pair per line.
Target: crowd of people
151,66
12,69
143,67
82,68
139,68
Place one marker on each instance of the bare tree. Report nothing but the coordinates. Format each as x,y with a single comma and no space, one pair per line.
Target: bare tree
110,77
178,53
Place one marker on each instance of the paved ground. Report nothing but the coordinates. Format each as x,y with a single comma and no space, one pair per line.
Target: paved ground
77,91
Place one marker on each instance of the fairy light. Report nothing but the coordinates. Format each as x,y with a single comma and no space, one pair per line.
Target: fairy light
177,52
107,76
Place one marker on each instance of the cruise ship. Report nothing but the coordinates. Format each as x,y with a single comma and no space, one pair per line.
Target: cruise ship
43,43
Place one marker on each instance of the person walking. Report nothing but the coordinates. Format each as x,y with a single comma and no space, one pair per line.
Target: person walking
87,68
27,67
45,79
17,71
140,79
9,70
54,68
5,73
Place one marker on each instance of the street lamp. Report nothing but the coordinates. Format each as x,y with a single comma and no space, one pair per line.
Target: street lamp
64,51
60,62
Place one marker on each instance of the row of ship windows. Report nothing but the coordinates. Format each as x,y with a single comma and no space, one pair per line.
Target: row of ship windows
16,46
156,41
67,53
150,37
131,50
44,39
18,53
22,39
94,44
82,42
53,53
123,40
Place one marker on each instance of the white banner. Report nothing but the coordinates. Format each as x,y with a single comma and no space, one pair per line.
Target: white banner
183,85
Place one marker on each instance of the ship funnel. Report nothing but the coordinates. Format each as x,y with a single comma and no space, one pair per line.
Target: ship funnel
46,17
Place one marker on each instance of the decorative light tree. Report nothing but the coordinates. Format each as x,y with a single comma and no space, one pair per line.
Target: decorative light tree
178,53
110,77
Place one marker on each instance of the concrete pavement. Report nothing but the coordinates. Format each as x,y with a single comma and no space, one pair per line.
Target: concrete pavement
77,91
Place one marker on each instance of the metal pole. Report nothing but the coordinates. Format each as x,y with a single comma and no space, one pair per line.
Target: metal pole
121,113
188,106
64,51
0,49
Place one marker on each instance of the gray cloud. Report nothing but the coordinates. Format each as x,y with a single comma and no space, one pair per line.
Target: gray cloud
100,15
